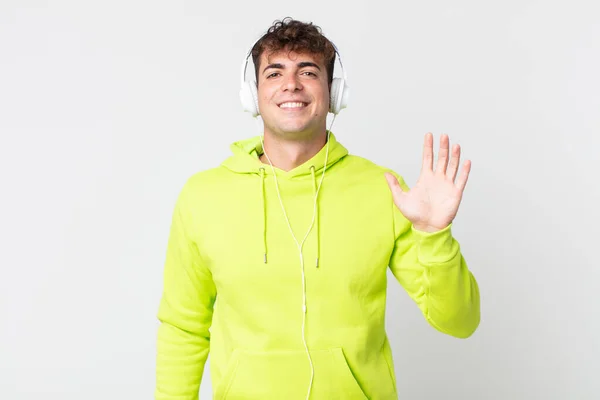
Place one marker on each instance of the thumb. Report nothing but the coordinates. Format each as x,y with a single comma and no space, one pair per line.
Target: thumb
397,192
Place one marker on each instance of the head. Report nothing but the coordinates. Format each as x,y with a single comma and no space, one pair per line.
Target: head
294,64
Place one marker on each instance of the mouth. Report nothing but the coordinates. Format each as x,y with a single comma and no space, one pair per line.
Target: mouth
293,105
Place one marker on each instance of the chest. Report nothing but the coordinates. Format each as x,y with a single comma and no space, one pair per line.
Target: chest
349,230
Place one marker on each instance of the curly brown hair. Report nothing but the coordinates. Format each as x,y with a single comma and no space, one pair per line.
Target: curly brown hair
295,36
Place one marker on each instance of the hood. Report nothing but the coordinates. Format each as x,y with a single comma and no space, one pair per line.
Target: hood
245,160
246,152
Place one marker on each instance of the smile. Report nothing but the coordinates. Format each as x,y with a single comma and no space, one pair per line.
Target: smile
292,105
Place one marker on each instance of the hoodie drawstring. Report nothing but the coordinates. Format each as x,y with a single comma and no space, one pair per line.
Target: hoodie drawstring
312,171
264,211
264,214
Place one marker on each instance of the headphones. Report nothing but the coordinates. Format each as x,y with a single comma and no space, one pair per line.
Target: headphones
338,95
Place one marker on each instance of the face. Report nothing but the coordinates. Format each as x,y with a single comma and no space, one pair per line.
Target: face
293,94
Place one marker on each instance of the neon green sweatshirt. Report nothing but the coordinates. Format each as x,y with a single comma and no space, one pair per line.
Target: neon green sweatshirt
233,282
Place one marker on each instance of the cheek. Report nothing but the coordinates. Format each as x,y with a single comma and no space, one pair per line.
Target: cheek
264,94
325,95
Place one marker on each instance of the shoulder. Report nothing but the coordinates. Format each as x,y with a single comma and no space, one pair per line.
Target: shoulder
205,177
202,183
363,166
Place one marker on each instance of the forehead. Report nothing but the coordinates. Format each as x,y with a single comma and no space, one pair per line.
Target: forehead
290,57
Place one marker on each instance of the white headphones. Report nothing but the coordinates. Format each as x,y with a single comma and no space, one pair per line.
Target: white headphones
338,96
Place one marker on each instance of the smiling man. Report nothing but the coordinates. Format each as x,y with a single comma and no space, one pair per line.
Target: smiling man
293,99
276,260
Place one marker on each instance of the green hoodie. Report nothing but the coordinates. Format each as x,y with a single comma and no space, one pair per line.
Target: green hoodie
233,282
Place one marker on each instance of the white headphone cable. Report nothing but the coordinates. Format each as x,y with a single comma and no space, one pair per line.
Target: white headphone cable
300,245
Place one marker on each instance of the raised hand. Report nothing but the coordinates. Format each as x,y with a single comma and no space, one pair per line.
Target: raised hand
432,203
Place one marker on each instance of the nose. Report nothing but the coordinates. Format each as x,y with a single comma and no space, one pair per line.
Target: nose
291,83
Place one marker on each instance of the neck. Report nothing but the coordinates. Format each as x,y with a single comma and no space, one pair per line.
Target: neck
287,155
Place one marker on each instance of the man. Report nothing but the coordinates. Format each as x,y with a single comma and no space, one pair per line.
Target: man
277,259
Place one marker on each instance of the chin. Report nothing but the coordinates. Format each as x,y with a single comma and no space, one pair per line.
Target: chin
299,127
303,130
294,129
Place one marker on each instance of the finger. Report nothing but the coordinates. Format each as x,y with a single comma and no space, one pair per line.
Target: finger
461,182
453,164
442,162
428,153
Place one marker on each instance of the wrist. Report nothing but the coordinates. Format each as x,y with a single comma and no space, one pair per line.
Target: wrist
427,228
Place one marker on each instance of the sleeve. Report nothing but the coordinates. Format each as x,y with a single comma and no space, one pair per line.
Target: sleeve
434,273
185,312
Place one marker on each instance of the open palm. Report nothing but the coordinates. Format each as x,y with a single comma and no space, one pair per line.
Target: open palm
432,203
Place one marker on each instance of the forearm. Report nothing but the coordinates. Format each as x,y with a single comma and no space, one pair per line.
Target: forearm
450,299
183,339
432,270
180,360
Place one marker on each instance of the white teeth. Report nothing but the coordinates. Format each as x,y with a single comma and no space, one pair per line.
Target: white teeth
291,105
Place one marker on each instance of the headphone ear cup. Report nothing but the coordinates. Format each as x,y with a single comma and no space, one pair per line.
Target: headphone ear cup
338,98
249,98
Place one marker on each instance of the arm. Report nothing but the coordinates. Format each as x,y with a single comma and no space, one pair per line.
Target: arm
432,270
185,312
426,259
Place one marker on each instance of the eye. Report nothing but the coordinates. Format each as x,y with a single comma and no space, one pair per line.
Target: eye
310,73
272,75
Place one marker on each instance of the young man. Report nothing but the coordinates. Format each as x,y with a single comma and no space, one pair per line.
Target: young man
277,259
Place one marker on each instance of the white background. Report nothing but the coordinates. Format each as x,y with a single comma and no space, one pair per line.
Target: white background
107,107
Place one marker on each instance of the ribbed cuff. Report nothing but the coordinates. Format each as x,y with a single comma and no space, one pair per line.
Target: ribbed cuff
435,247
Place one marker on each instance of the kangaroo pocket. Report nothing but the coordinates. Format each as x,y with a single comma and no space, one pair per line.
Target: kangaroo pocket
286,375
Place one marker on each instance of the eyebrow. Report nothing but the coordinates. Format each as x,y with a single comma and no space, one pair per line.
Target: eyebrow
300,65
